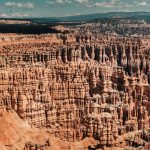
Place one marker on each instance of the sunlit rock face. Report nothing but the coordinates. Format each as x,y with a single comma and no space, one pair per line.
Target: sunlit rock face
79,86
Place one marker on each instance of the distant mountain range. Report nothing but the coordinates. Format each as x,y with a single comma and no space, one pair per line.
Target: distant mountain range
91,17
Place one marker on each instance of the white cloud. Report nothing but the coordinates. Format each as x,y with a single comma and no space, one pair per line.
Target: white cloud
87,3
27,5
18,15
111,3
62,1
82,1
104,4
59,2
142,4
3,15
13,15
49,2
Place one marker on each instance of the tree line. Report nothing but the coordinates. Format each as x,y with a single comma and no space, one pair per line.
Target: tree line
27,29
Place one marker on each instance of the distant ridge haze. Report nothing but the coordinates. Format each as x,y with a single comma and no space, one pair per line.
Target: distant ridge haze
90,17
97,16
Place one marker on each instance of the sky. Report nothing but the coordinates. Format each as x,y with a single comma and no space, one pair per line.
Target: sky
61,8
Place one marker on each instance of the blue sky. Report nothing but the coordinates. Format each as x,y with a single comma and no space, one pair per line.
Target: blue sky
57,8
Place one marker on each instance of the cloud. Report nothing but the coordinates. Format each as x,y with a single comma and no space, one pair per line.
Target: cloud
116,4
3,15
142,4
13,15
103,4
111,3
27,5
82,1
85,2
58,2
18,15
62,1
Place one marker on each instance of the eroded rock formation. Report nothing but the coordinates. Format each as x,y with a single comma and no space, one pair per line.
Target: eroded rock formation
79,87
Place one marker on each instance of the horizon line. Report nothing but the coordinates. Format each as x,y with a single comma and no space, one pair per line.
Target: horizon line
30,17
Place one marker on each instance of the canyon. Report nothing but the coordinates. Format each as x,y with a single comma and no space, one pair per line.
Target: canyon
79,90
